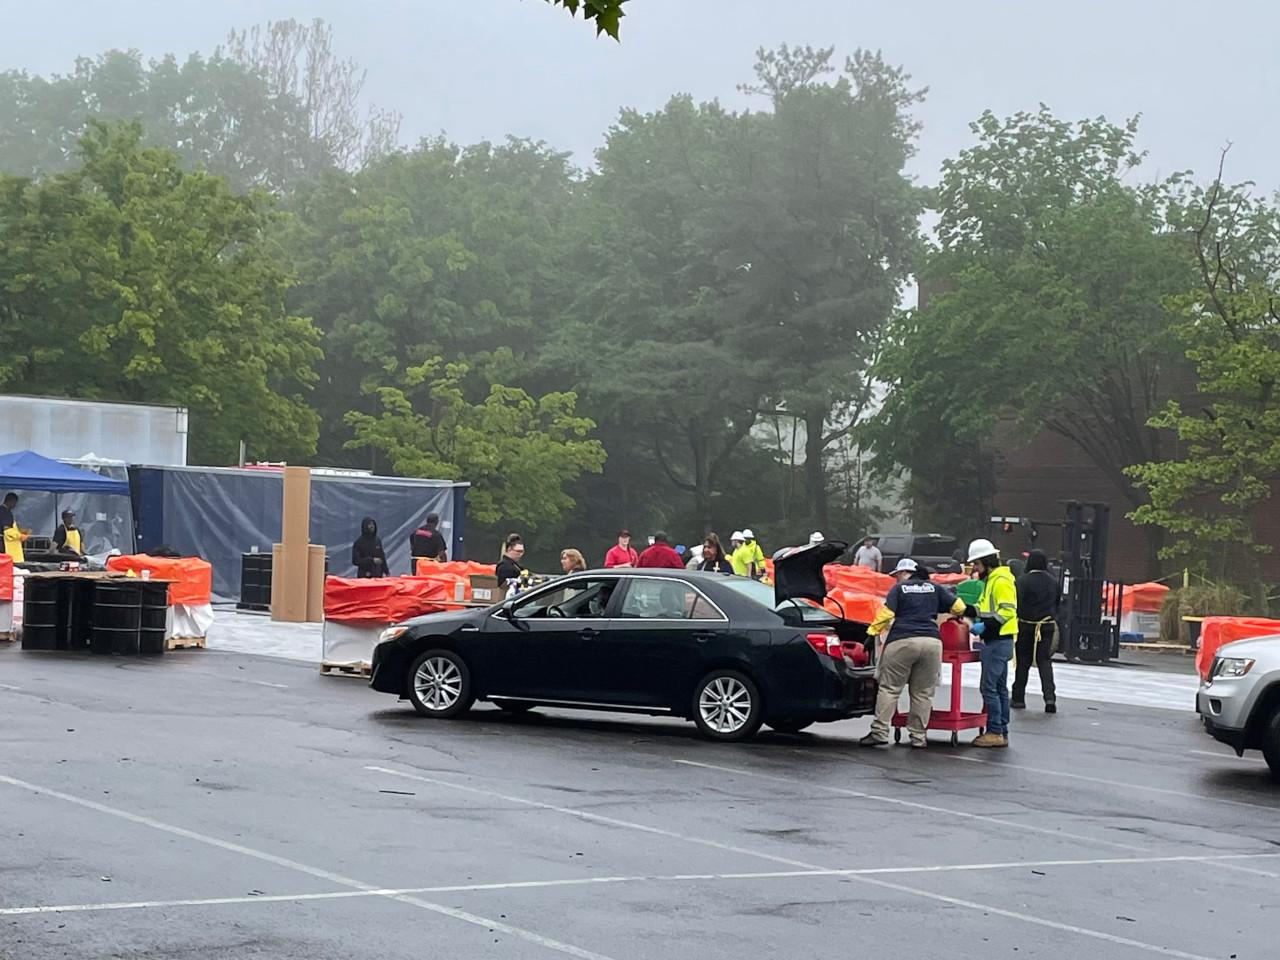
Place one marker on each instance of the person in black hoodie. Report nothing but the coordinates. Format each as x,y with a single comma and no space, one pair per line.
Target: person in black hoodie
1037,603
366,552
427,542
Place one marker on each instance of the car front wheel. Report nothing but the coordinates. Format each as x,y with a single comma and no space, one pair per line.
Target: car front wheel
726,706
1271,744
440,685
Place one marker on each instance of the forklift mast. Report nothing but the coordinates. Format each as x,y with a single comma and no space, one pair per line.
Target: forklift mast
1088,607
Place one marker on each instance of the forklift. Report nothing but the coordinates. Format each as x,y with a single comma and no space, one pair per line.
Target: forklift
1088,605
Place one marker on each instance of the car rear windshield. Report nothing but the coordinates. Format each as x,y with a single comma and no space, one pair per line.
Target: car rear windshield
935,546
763,595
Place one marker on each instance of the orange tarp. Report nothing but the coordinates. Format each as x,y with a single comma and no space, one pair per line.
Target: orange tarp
6,577
455,568
859,579
1139,597
853,605
383,599
192,578
1216,632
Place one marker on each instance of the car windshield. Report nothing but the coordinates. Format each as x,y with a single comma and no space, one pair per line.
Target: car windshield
763,595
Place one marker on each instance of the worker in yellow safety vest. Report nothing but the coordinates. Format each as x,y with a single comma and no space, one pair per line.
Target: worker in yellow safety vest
996,623
66,539
13,537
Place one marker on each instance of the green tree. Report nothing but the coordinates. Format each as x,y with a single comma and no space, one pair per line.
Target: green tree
1227,462
1047,312
131,279
828,231
607,14
518,452
440,251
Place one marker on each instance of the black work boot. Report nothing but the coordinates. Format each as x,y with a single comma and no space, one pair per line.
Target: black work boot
1051,706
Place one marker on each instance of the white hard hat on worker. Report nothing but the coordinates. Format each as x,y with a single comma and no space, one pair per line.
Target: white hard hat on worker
981,548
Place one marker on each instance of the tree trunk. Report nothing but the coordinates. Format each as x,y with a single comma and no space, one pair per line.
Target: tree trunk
815,475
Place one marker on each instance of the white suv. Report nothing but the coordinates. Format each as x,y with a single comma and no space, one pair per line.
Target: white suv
1240,702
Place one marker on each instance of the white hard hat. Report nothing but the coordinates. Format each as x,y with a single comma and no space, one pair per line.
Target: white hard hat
816,537
736,535
906,565
747,534
981,548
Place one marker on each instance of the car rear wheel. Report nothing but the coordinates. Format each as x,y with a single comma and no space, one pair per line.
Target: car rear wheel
1271,744
727,706
440,685
514,706
788,726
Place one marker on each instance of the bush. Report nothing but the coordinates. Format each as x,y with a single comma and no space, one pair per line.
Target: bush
1206,600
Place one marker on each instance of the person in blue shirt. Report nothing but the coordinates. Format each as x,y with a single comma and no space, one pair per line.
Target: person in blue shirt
912,653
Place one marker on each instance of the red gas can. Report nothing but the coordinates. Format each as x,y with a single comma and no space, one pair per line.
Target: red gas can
955,635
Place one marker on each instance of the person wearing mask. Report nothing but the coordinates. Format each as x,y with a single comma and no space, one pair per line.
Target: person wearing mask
427,543
660,555
366,553
621,554
13,536
713,558
1037,603
572,561
509,567
912,652
996,623
66,539
868,555
748,559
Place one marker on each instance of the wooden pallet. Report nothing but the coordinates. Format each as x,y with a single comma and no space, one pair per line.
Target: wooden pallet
184,643
345,670
1157,647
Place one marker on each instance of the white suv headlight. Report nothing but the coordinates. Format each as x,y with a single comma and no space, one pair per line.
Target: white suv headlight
1231,667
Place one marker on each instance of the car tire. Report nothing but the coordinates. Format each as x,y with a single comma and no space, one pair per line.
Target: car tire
1271,744
439,685
789,726
727,706
514,706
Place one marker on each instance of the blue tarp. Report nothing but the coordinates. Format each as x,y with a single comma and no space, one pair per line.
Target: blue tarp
222,513
27,470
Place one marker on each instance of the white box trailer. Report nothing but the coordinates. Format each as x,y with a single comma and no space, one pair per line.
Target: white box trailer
72,429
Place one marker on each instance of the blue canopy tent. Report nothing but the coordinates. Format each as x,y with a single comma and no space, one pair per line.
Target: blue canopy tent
27,470
99,496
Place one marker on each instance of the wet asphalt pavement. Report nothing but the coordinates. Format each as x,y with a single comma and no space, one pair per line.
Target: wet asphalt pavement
212,805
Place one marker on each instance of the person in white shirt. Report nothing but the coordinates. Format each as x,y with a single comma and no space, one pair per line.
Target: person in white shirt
868,555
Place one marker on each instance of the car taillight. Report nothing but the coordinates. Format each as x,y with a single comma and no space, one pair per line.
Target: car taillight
827,644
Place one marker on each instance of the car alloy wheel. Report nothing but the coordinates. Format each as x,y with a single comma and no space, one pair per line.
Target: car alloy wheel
440,684
727,706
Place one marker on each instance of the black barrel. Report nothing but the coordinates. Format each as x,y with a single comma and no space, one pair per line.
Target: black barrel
117,617
40,614
255,581
155,616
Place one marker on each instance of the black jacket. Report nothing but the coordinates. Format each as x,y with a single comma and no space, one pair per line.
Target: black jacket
507,569
427,542
719,565
366,553
1037,596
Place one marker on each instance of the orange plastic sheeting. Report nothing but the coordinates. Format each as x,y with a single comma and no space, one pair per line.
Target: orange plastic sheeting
1140,597
854,605
949,579
192,577
382,599
454,568
1216,632
6,577
857,579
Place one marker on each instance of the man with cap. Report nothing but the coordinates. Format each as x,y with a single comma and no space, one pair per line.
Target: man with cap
622,554
912,652
66,539
996,622
747,557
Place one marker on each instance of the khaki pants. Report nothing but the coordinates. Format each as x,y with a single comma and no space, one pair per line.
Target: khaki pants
907,662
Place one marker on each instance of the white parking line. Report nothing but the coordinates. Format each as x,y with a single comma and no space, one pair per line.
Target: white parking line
859,878
1225,756
642,878
335,878
1164,791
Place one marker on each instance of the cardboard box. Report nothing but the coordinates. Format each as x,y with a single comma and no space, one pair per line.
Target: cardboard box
485,589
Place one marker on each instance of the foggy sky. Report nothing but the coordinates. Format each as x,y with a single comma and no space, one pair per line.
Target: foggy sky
1201,74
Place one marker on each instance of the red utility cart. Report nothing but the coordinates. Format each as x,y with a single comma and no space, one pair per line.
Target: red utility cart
953,719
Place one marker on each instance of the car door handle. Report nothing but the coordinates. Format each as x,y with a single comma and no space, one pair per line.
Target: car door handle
588,633
702,636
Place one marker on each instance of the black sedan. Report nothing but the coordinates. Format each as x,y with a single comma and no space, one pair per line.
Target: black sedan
719,650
